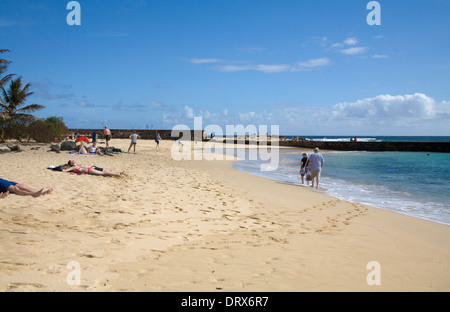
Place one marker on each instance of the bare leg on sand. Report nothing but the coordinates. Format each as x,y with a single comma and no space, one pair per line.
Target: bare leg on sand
24,190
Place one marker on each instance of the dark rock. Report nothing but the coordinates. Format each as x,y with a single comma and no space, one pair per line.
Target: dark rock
55,148
68,146
15,148
4,149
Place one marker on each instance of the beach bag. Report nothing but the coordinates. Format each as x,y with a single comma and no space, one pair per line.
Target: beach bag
308,176
302,170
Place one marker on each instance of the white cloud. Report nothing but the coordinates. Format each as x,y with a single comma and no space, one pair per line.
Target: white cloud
246,116
188,112
379,56
276,68
252,49
157,105
410,114
261,67
416,106
272,68
233,68
354,50
49,90
347,42
314,63
205,60
348,46
319,41
351,41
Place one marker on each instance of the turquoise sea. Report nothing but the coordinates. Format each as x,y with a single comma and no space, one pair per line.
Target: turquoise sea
412,183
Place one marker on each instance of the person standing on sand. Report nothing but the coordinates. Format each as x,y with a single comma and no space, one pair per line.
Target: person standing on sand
134,137
316,163
157,139
7,187
107,134
303,167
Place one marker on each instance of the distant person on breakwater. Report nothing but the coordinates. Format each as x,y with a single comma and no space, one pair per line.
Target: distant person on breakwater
107,135
134,137
316,163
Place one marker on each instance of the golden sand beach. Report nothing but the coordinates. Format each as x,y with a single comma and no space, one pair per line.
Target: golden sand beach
194,226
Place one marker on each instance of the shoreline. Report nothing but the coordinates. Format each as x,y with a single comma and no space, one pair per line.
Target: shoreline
325,190
202,226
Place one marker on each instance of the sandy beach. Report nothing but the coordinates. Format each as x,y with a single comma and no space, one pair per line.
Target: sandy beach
201,225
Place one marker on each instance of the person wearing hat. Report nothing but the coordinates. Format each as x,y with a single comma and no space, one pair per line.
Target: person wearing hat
316,163
303,167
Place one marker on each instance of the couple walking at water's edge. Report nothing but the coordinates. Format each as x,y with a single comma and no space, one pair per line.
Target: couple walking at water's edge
311,167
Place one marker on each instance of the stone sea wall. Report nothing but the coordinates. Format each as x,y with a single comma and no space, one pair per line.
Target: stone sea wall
436,147
125,133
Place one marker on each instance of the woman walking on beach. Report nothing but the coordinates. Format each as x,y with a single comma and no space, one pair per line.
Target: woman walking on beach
303,167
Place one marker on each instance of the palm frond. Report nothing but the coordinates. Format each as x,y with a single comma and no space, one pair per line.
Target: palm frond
14,97
30,108
2,61
5,79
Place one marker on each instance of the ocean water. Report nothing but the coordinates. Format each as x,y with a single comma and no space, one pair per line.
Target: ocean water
412,183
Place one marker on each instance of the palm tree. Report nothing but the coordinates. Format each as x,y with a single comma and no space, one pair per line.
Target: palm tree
2,61
3,67
14,98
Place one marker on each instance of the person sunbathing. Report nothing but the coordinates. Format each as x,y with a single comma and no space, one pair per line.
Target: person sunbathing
72,166
8,187
82,150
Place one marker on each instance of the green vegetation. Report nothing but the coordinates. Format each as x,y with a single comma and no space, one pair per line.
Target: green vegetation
16,120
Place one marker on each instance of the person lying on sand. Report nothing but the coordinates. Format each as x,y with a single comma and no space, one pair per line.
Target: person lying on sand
72,166
8,187
74,163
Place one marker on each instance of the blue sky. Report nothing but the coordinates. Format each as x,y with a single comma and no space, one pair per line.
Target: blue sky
312,67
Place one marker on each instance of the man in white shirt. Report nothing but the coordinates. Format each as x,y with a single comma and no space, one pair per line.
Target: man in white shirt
316,163
134,137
